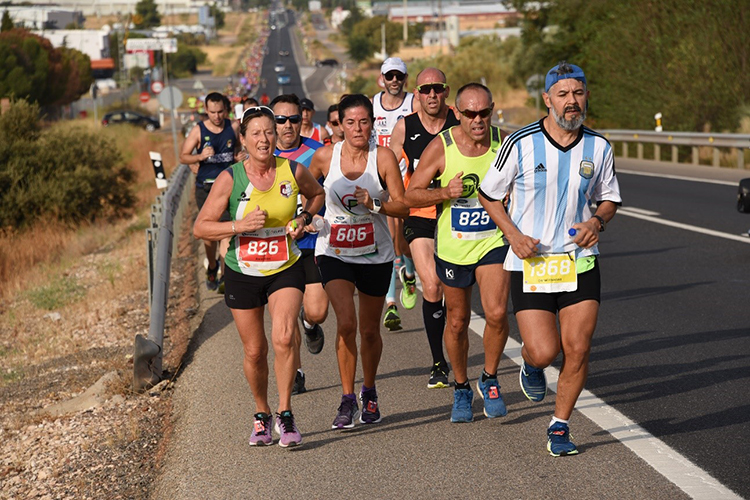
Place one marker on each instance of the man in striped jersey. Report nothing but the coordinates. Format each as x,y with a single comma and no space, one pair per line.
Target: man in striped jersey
553,171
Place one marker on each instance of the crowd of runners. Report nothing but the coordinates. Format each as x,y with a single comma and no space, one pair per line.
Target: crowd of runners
402,186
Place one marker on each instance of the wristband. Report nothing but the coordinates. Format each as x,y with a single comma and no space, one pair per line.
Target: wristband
233,230
602,224
306,216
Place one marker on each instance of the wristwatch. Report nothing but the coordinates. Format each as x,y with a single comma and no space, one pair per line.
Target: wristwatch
602,224
376,205
308,218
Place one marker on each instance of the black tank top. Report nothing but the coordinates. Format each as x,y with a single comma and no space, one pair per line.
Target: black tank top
223,144
416,137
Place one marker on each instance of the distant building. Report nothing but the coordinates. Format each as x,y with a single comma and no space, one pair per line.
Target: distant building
338,16
483,15
113,7
44,18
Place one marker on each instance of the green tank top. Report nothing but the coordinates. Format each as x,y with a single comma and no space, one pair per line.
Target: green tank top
465,231
268,250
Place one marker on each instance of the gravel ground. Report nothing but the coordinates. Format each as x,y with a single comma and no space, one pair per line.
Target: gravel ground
112,450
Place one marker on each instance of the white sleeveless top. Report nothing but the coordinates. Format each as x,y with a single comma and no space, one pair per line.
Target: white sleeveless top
385,119
352,233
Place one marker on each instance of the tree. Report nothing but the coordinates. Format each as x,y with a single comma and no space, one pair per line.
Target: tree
7,23
218,15
360,48
370,30
147,15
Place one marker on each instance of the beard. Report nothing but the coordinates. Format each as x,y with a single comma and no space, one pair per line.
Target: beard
392,91
569,125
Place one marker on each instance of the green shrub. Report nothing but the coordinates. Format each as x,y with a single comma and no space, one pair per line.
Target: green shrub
68,173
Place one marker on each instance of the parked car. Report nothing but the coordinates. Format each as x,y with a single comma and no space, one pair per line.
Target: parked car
284,79
279,68
132,118
328,62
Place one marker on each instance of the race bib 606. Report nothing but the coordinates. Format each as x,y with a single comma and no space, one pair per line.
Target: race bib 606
356,236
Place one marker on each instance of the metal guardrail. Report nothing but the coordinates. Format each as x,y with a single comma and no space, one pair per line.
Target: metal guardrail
161,243
694,140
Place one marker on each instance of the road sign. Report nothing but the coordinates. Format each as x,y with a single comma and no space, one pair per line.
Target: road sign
161,180
144,97
198,85
157,86
168,45
535,85
175,100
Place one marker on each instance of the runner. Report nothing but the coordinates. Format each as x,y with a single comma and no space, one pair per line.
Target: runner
263,265
315,301
354,249
337,135
553,170
310,129
215,142
469,247
410,136
390,106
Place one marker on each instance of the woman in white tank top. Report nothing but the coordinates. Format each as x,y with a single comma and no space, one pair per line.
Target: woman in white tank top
354,250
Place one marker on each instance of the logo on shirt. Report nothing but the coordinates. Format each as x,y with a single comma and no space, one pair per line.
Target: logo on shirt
414,137
540,168
229,143
586,169
348,201
286,189
470,182
243,197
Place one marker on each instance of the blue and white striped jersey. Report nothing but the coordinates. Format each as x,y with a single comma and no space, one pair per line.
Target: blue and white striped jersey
551,187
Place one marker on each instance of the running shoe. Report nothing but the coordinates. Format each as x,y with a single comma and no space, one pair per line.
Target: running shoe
392,320
299,383
212,282
370,412
462,400
314,337
408,289
558,440
220,288
348,412
533,382
439,376
494,406
262,425
287,430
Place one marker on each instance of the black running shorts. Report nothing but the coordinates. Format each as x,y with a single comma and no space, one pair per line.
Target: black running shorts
248,292
589,288
370,279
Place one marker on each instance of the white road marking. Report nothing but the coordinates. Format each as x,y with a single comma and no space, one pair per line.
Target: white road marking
687,476
678,177
629,212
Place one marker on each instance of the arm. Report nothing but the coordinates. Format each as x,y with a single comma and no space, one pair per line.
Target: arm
587,233
397,138
431,165
389,171
324,134
207,225
320,163
192,141
313,197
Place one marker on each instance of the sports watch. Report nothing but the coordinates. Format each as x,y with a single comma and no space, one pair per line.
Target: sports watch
602,224
376,205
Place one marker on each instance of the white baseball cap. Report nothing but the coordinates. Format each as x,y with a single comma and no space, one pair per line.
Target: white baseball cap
393,64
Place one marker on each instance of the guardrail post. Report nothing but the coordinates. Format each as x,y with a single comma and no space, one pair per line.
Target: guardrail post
624,149
657,152
675,155
740,158
716,162
695,155
639,150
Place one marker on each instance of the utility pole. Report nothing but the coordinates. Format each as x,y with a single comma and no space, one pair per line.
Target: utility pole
382,41
406,24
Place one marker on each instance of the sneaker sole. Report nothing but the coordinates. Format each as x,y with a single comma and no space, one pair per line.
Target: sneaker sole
291,444
261,443
393,325
535,399
439,385
371,422
484,410
462,421
355,417
549,449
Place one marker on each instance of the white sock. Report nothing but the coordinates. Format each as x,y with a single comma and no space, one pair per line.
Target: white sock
307,325
555,420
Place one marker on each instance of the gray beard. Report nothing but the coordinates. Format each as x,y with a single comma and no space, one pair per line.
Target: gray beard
568,125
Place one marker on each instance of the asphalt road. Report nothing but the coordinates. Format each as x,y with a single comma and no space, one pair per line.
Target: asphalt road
671,353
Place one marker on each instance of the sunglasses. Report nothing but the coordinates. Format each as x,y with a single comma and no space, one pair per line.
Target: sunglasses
334,123
281,119
264,110
394,74
426,89
484,113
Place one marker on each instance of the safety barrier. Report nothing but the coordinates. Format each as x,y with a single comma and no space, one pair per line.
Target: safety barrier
161,242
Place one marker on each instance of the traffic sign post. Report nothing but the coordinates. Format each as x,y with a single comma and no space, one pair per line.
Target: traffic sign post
157,87
144,97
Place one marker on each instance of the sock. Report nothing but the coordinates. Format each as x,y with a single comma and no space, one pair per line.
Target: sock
409,264
390,297
433,315
465,385
556,420
486,375
365,388
308,326
350,396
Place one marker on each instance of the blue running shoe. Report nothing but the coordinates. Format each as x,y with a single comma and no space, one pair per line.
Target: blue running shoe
558,440
533,382
461,412
494,406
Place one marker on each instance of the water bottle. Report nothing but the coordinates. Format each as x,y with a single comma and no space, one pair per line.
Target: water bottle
572,232
319,224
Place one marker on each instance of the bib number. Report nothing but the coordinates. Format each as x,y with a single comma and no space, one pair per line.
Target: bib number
470,221
265,249
550,274
354,237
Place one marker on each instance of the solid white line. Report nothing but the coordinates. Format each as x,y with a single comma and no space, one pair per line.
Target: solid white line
677,177
641,211
687,227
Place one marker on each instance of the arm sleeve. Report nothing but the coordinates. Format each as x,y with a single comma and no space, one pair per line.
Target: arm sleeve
607,189
503,169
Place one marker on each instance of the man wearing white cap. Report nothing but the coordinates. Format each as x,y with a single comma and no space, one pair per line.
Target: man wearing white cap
389,107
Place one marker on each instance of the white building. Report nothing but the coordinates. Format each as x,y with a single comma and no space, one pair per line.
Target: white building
93,43
113,7
43,18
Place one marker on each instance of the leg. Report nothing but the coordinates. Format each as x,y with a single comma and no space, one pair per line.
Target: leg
371,343
577,324
341,294
255,348
283,306
494,285
458,311
541,340
423,251
316,303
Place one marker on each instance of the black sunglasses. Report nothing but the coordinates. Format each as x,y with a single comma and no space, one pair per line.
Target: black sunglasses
334,123
281,119
394,74
439,88
256,110
484,113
